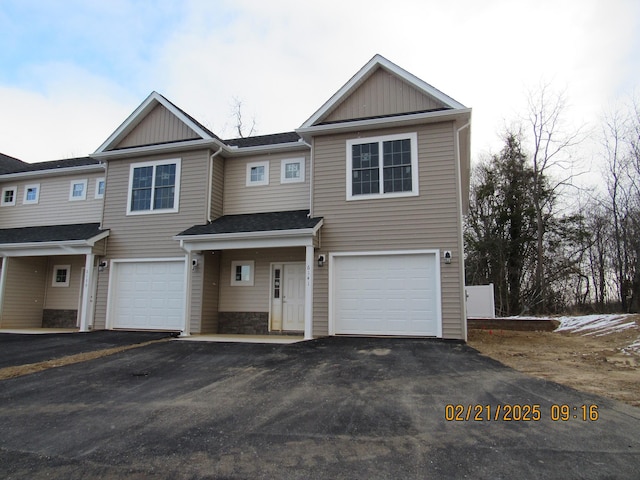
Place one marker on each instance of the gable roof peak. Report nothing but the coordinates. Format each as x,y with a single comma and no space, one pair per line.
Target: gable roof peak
376,62
140,113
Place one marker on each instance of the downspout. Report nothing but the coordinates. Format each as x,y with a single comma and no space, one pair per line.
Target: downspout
210,189
463,300
310,177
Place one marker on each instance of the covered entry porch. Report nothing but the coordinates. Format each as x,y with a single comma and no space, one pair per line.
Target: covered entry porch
251,274
48,276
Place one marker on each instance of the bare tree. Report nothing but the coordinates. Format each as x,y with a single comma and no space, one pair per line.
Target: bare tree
551,150
238,118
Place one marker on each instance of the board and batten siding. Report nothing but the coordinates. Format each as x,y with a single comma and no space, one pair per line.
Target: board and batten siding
151,235
275,197
159,126
383,93
254,298
54,206
22,307
427,221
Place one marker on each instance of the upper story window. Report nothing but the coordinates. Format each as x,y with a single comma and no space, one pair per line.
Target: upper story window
100,184
78,190
292,170
385,166
154,187
9,195
258,173
31,194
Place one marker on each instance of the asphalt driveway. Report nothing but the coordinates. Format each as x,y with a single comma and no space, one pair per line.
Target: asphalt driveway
21,349
330,408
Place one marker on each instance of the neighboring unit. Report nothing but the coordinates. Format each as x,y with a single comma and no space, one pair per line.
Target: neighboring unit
338,228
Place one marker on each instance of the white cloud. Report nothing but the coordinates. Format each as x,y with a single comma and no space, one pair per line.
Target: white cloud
284,59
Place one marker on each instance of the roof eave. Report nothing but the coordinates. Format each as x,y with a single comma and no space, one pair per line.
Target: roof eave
296,232
159,148
375,123
273,148
54,171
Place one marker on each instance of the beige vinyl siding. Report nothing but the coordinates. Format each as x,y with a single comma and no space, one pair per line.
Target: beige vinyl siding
160,126
217,184
22,307
100,314
53,207
211,292
197,275
257,297
275,197
427,221
64,298
151,235
382,93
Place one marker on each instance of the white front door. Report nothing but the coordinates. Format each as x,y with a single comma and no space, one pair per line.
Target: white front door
293,296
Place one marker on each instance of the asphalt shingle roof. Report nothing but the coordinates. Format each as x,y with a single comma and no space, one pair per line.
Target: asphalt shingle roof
51,233
260,140
10,164
256,222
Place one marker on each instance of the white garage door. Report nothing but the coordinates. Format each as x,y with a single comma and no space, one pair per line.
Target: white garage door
148,295
386,295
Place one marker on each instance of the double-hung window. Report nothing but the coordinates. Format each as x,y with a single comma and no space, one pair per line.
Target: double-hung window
385,166
154,187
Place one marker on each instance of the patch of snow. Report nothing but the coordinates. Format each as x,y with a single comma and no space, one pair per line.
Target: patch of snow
596,324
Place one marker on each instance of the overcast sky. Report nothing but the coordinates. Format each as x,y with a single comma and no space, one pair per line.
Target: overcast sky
71,71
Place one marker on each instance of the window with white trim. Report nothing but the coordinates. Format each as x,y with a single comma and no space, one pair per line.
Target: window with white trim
78,190
31,194
9,195
258,173
154,187
242,273
61,274
385,166
292,170
100,185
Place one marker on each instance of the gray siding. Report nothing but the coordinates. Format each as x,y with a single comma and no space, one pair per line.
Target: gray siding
257,297
53,207
427,221
100,315
275,197
196,297
382,93
22,307
159,126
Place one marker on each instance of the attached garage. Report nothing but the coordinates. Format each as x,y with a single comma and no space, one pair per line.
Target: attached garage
147,295
385,293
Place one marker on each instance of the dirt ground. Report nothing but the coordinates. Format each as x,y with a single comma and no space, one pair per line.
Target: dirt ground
595,364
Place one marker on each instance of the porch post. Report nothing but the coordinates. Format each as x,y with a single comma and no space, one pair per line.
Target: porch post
308,294
87,294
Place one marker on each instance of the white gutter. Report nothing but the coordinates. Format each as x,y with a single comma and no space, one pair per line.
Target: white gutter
48,172
273,148
209,191
57,243
399,120
160,148
301,232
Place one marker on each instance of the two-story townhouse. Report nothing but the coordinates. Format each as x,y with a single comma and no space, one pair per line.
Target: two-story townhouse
349,225
50,241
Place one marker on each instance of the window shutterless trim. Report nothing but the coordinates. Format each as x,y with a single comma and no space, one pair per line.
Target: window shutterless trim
176,194
265,180
84,183
412,137
97,192
34,201
12,188
283,170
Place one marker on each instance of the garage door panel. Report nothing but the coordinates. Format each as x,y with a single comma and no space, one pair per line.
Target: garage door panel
148,295
386,294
